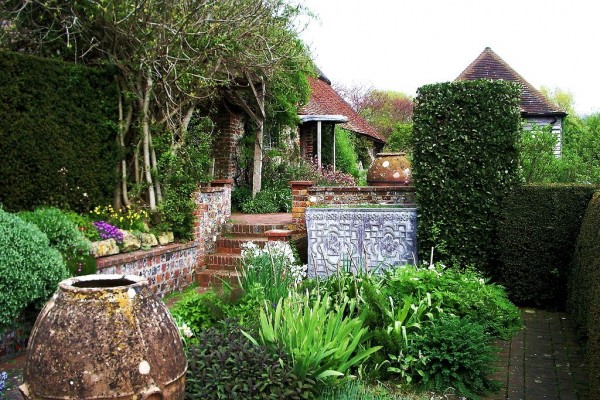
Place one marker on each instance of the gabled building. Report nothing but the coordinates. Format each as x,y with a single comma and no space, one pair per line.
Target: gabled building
324,110
535,107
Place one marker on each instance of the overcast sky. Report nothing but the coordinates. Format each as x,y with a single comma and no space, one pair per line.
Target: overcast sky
402,44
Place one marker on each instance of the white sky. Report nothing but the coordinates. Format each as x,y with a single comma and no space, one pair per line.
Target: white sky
401,45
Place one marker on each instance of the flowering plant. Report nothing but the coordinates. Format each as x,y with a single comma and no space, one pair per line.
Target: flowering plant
3,378
128,218
108,231
274,267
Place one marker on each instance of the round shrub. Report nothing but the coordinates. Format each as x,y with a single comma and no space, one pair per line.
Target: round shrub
63,234
226,365
458,355
29,268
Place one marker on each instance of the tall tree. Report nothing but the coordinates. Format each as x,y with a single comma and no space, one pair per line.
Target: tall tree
171,54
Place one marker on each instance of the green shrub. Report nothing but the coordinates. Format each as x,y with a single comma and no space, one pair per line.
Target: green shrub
239,196
29,268
226,365
59,148
537,231
465,160
346,159
199,311
400,139
85,225
462,293
65,236
269,201
180,169
584,291
62,233
458,354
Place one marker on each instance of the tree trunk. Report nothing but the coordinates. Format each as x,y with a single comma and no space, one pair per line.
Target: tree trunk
146,141
258,153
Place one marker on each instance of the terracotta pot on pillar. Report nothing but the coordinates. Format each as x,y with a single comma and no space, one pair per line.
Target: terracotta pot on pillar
104,337
390,169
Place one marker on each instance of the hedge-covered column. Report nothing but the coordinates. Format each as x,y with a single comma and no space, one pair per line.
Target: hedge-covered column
465,161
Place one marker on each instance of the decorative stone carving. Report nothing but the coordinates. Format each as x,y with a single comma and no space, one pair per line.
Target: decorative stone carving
358,238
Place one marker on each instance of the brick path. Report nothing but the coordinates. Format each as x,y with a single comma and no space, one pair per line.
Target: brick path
543,361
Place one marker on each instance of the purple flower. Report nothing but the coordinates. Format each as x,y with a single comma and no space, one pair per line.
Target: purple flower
108,231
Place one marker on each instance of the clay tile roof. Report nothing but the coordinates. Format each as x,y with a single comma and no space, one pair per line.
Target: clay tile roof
490,66
324,100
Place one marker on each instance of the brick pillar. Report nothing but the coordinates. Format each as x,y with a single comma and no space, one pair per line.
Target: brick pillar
231,129
299,203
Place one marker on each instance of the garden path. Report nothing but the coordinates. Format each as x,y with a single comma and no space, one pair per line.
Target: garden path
543,361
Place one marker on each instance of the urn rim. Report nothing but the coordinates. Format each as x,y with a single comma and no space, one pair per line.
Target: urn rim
101,282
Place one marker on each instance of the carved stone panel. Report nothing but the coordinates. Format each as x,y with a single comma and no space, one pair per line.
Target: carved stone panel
359,238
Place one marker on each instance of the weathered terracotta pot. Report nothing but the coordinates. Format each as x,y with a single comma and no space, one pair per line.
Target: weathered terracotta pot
390,169
104,337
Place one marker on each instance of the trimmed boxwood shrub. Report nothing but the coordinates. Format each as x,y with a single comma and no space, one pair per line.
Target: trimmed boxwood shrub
537,231
584,291
59,147
465,160
29,268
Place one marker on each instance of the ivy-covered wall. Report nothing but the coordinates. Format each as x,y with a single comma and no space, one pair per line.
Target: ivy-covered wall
465,161
57,133
537,231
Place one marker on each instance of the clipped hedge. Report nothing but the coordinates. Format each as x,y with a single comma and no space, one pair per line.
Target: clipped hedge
537,231
584,290
57,141
465,160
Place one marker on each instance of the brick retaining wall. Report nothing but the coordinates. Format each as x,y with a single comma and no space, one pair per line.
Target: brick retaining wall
304,194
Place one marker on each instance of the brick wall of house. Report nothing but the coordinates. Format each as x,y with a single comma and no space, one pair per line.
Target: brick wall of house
305,195
225,147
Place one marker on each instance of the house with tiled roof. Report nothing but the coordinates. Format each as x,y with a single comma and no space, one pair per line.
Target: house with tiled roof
324,110
535,107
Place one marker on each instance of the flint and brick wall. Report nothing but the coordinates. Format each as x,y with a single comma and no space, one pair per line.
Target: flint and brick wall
213,209
168,268
304,195
172,267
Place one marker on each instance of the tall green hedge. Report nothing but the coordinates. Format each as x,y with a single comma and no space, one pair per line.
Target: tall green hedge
57,136
537,231
584,290
465,143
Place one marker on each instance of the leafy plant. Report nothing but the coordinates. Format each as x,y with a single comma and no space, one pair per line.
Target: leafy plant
273,267
84,224
463,293
269,201
199,311
226,365
30,268
458,354
62,233
324,344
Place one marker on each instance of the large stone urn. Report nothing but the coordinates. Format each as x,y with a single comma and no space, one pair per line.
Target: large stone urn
390,169
104,337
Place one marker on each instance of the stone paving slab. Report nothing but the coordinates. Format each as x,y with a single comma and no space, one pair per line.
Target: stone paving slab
543,361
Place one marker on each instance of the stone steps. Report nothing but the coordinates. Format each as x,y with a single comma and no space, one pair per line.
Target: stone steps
222,265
